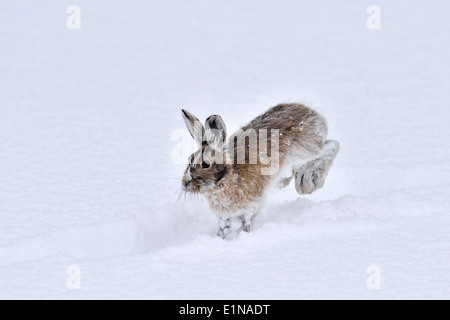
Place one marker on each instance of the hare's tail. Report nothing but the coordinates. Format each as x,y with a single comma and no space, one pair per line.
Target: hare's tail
311,175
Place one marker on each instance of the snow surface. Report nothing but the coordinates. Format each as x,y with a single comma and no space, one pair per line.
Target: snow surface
86,170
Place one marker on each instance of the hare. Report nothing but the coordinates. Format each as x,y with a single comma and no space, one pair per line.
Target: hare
233,171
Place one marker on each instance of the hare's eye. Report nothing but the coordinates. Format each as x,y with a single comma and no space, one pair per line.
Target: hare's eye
205,164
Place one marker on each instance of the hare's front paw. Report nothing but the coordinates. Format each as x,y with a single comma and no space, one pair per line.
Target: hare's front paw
230,228
223,232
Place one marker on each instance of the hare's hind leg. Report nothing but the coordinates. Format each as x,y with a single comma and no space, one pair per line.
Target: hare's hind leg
311,176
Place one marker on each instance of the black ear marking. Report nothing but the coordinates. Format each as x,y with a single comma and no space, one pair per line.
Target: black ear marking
194,126
215,122
215,129
185,113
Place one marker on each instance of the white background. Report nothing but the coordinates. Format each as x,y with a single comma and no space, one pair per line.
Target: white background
86,176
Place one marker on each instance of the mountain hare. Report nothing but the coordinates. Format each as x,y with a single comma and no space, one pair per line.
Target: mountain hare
233,171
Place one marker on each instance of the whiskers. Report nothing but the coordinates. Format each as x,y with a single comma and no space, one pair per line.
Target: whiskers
180,192
181,195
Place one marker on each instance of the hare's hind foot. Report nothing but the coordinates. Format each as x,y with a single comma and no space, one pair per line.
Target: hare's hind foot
231,227
311,176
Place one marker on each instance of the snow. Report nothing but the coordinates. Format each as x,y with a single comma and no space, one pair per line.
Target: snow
86,127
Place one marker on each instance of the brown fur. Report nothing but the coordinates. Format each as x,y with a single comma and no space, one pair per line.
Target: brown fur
234,189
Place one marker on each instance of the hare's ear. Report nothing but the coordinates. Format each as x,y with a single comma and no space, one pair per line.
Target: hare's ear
194,126
216,131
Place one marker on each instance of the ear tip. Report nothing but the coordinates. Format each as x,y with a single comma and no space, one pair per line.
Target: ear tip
214,116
